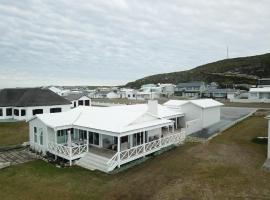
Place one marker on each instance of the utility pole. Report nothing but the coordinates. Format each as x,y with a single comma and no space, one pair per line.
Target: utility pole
227,52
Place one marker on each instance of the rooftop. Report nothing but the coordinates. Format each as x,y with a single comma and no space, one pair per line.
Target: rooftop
25,97
118,119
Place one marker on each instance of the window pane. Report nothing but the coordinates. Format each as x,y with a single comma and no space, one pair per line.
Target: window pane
86,102
37,111
23,112
90,138
1,112
96,138
55,110
9,111
80,102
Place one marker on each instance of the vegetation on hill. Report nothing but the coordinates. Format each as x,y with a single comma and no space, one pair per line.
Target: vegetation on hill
225,72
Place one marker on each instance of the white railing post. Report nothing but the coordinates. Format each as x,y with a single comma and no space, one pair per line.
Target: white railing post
118,151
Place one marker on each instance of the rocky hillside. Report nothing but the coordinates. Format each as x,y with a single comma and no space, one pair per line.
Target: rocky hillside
225,72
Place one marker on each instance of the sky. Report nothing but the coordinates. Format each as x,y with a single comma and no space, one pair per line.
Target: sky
111,42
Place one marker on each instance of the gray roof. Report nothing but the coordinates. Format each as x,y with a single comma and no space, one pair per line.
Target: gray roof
25,97
73,97
190,84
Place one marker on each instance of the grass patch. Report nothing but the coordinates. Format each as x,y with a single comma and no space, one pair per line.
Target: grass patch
227,167
12,133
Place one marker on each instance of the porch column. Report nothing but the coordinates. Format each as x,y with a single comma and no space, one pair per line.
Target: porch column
144,143
87,141
118,149
172,129
268,153
176,123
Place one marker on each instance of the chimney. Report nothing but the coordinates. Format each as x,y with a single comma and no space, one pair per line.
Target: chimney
153,107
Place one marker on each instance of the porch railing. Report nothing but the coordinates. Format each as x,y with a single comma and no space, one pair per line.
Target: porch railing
128,155
66,151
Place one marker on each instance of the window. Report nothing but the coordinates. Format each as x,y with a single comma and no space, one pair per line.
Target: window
74,104
128,95
55,110
23,112
80,102
82,135
134,95
41,137
35,134
16,112
9,111
37,111
93,138
1,112
87,102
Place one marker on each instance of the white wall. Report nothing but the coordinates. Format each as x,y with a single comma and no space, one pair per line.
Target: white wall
40,126
211,116
29,111
193,117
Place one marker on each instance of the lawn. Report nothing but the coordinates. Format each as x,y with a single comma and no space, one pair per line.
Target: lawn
12,133
227,167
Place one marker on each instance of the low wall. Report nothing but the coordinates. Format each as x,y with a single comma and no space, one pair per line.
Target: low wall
250,100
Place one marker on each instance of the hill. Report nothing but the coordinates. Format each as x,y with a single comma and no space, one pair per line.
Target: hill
225,72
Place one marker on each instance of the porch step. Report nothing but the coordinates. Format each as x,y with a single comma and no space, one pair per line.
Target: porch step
93,162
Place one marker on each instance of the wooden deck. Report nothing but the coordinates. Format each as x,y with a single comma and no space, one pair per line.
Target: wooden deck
107,153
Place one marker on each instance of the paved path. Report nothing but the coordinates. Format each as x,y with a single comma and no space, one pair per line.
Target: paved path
228,117
16,156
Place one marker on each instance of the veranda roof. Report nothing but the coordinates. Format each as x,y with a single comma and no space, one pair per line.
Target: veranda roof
117,119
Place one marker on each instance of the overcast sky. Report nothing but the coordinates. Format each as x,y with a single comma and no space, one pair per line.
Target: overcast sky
109,42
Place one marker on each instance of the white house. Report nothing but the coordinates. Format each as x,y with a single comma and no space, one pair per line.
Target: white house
106,137
190,89
59,91
78,100
113,95
128,93
259,94
167,89
24,103
199,114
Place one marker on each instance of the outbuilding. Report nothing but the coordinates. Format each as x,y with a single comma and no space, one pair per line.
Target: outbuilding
199,114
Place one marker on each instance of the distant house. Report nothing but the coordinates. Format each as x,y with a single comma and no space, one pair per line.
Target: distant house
167,89
259,94
78,100
128,93
113,95
190,89
24,103
221,93
59,91
264,82
199,113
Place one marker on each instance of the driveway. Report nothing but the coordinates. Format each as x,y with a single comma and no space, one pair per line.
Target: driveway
228,117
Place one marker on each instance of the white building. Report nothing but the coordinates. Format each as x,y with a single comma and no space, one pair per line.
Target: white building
78,100
113,95
167,89
24,103
259,94
199,114
59,91
128,93
106,137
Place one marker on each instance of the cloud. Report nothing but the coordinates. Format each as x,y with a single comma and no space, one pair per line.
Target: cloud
111,42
